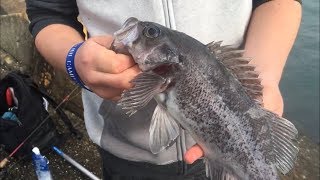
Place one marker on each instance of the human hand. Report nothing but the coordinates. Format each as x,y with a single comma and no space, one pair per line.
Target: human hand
272,100
106,73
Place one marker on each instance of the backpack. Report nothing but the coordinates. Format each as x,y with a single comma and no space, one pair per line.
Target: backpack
23,107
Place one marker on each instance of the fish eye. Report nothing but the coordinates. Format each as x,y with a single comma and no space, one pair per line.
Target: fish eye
151,31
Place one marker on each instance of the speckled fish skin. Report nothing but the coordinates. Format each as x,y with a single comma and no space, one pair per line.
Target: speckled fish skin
212,106
209,102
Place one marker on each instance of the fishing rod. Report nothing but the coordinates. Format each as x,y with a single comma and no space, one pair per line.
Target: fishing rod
76,164
6,160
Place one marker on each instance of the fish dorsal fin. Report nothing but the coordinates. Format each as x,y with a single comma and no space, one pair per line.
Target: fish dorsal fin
232,58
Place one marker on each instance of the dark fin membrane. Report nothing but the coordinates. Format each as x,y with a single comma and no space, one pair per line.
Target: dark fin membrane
163,130
232,58
146,86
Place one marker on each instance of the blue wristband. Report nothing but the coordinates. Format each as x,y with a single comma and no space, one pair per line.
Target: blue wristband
71,69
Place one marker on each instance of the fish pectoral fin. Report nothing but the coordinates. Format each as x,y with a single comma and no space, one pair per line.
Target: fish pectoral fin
163,130
217,171
285,150
145,86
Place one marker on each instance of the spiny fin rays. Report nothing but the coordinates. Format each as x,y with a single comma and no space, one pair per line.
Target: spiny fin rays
232,58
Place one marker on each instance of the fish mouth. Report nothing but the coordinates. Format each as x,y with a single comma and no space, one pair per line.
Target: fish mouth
124,37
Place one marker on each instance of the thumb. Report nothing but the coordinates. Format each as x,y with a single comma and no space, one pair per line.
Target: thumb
193,154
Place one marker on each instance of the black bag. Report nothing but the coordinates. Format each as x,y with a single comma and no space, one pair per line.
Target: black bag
22,109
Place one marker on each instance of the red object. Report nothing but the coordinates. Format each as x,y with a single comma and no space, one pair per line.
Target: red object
9,98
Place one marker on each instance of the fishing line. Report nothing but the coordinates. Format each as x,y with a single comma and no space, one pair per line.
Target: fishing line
6,160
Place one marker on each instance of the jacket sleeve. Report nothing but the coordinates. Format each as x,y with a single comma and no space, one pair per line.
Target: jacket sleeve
42,13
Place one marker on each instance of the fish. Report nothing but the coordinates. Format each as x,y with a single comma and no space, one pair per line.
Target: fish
213,93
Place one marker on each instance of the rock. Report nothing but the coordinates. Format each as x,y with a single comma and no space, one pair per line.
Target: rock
12,6
7,62
16,39
307,165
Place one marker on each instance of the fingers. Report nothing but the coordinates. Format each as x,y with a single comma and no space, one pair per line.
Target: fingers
107,92
120,81
109,62
110,86
106,73
116,98
193,154
92,55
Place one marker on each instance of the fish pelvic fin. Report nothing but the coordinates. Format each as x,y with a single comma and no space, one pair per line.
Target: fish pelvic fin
146,86
216,170
163,130
232,58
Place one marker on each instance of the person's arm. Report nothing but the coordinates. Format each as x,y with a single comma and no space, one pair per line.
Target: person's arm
54,25
56,29
270,37
54,41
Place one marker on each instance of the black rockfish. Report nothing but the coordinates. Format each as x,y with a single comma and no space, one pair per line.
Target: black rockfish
214,94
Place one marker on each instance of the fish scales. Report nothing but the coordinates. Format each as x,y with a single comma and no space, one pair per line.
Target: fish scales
217,121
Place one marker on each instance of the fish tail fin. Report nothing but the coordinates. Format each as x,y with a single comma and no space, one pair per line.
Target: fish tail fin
283,142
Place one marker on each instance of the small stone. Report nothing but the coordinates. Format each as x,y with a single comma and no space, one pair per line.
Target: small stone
8,60
23,69
46,82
